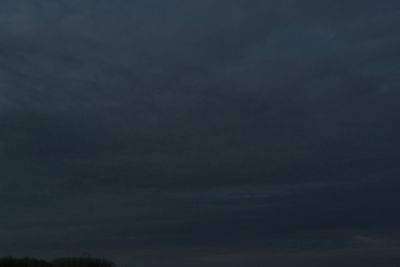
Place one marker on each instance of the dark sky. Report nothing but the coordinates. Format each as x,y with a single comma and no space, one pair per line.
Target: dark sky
201,133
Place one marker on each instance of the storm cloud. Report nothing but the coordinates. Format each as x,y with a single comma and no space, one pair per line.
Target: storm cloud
202,132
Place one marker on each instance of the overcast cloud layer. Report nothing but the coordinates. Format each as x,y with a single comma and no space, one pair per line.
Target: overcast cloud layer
203,133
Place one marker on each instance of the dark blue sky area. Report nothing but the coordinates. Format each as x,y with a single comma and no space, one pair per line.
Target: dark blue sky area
201,133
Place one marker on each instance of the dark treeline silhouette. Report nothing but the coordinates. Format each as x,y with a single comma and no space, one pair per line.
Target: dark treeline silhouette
64,262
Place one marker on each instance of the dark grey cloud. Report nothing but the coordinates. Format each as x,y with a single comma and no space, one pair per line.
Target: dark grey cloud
140,127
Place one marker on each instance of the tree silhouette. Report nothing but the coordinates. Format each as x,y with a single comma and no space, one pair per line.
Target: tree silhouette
63,262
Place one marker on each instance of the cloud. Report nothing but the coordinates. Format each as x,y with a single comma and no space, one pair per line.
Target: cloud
197,122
